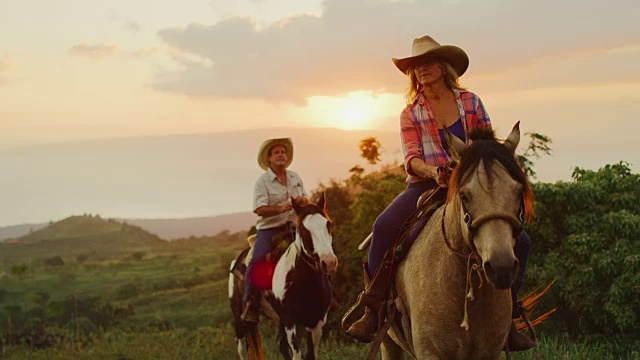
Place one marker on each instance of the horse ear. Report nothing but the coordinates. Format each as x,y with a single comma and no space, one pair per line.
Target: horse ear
321,203
513,139
295,205
456,145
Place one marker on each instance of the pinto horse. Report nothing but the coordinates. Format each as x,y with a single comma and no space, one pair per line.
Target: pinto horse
453,287
301,291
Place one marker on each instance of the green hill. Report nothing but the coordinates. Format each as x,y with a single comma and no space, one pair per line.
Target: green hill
87,236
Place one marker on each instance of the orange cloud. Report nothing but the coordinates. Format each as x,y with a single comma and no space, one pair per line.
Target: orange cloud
93,52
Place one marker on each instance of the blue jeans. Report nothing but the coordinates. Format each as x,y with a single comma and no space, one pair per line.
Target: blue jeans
389,223
261,248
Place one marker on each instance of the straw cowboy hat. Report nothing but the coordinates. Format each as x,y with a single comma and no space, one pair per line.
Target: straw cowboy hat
263,152
426,46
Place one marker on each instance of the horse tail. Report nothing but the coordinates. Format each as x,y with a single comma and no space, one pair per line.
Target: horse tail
254,344
530,302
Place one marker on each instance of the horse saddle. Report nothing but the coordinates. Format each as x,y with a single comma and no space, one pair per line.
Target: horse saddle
280,241
428,203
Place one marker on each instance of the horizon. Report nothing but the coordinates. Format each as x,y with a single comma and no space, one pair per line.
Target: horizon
74,72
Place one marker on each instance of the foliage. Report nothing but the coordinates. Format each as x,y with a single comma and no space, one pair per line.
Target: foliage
586,235
19,270
138,255
539,145
370,150
127,291
53,262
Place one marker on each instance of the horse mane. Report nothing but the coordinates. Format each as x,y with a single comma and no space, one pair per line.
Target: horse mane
310,209
485,148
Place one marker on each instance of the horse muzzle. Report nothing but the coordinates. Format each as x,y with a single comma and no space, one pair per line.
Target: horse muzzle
329,264
502,271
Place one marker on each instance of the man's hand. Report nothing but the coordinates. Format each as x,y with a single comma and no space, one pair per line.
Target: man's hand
301,201
286,207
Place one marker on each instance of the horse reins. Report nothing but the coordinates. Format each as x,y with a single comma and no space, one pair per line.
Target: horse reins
308,259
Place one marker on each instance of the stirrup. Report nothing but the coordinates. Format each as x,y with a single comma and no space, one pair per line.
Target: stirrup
349,316
251,312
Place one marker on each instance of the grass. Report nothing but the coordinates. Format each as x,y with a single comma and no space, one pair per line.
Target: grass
219,343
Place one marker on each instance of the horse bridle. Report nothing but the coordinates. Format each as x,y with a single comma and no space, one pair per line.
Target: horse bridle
517,224
312,261
473,258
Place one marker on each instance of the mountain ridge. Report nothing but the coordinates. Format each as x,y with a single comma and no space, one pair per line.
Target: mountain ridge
167,229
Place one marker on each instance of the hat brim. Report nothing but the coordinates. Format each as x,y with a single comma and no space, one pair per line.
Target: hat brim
454,55
263,152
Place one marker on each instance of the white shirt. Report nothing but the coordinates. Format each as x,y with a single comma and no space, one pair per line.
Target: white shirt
269,191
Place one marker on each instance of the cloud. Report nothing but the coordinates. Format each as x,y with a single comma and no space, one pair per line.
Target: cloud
349,46
94,52
143,53
128,23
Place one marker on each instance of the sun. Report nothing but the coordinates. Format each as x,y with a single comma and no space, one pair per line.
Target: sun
354,111
353,115
357,110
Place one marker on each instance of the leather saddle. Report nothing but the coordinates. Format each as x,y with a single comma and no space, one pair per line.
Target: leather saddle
280,241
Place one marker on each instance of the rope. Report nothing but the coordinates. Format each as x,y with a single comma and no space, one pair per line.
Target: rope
469,289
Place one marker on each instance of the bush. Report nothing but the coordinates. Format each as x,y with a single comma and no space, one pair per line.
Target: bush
586,235
54,262
127,291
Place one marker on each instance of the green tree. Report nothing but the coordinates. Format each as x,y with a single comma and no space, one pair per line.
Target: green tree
539,145
370,150
54,262
19,270
586,235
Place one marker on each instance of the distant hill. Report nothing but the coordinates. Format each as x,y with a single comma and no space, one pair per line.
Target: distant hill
88,235
170,229
167,229
16,231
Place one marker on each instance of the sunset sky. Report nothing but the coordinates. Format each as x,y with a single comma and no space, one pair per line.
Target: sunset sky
76,70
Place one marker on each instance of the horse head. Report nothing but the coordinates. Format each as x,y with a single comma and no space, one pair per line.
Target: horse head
492,198
313,235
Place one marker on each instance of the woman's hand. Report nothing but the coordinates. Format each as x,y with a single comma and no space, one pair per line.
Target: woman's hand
422,169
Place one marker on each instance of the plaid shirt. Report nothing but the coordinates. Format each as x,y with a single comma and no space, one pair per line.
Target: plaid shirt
419,131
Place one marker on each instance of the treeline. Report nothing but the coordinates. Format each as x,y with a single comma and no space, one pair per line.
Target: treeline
585,236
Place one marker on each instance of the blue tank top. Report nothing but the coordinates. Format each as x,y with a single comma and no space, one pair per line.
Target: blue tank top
457,129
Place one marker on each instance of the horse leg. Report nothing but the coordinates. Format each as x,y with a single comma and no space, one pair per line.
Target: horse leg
235,299
390,350
313,341
241,339
293,341
284,343
243,352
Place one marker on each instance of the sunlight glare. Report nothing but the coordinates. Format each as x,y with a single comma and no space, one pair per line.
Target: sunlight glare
357,110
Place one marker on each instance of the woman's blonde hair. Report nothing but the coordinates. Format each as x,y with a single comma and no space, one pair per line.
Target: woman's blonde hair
450,78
